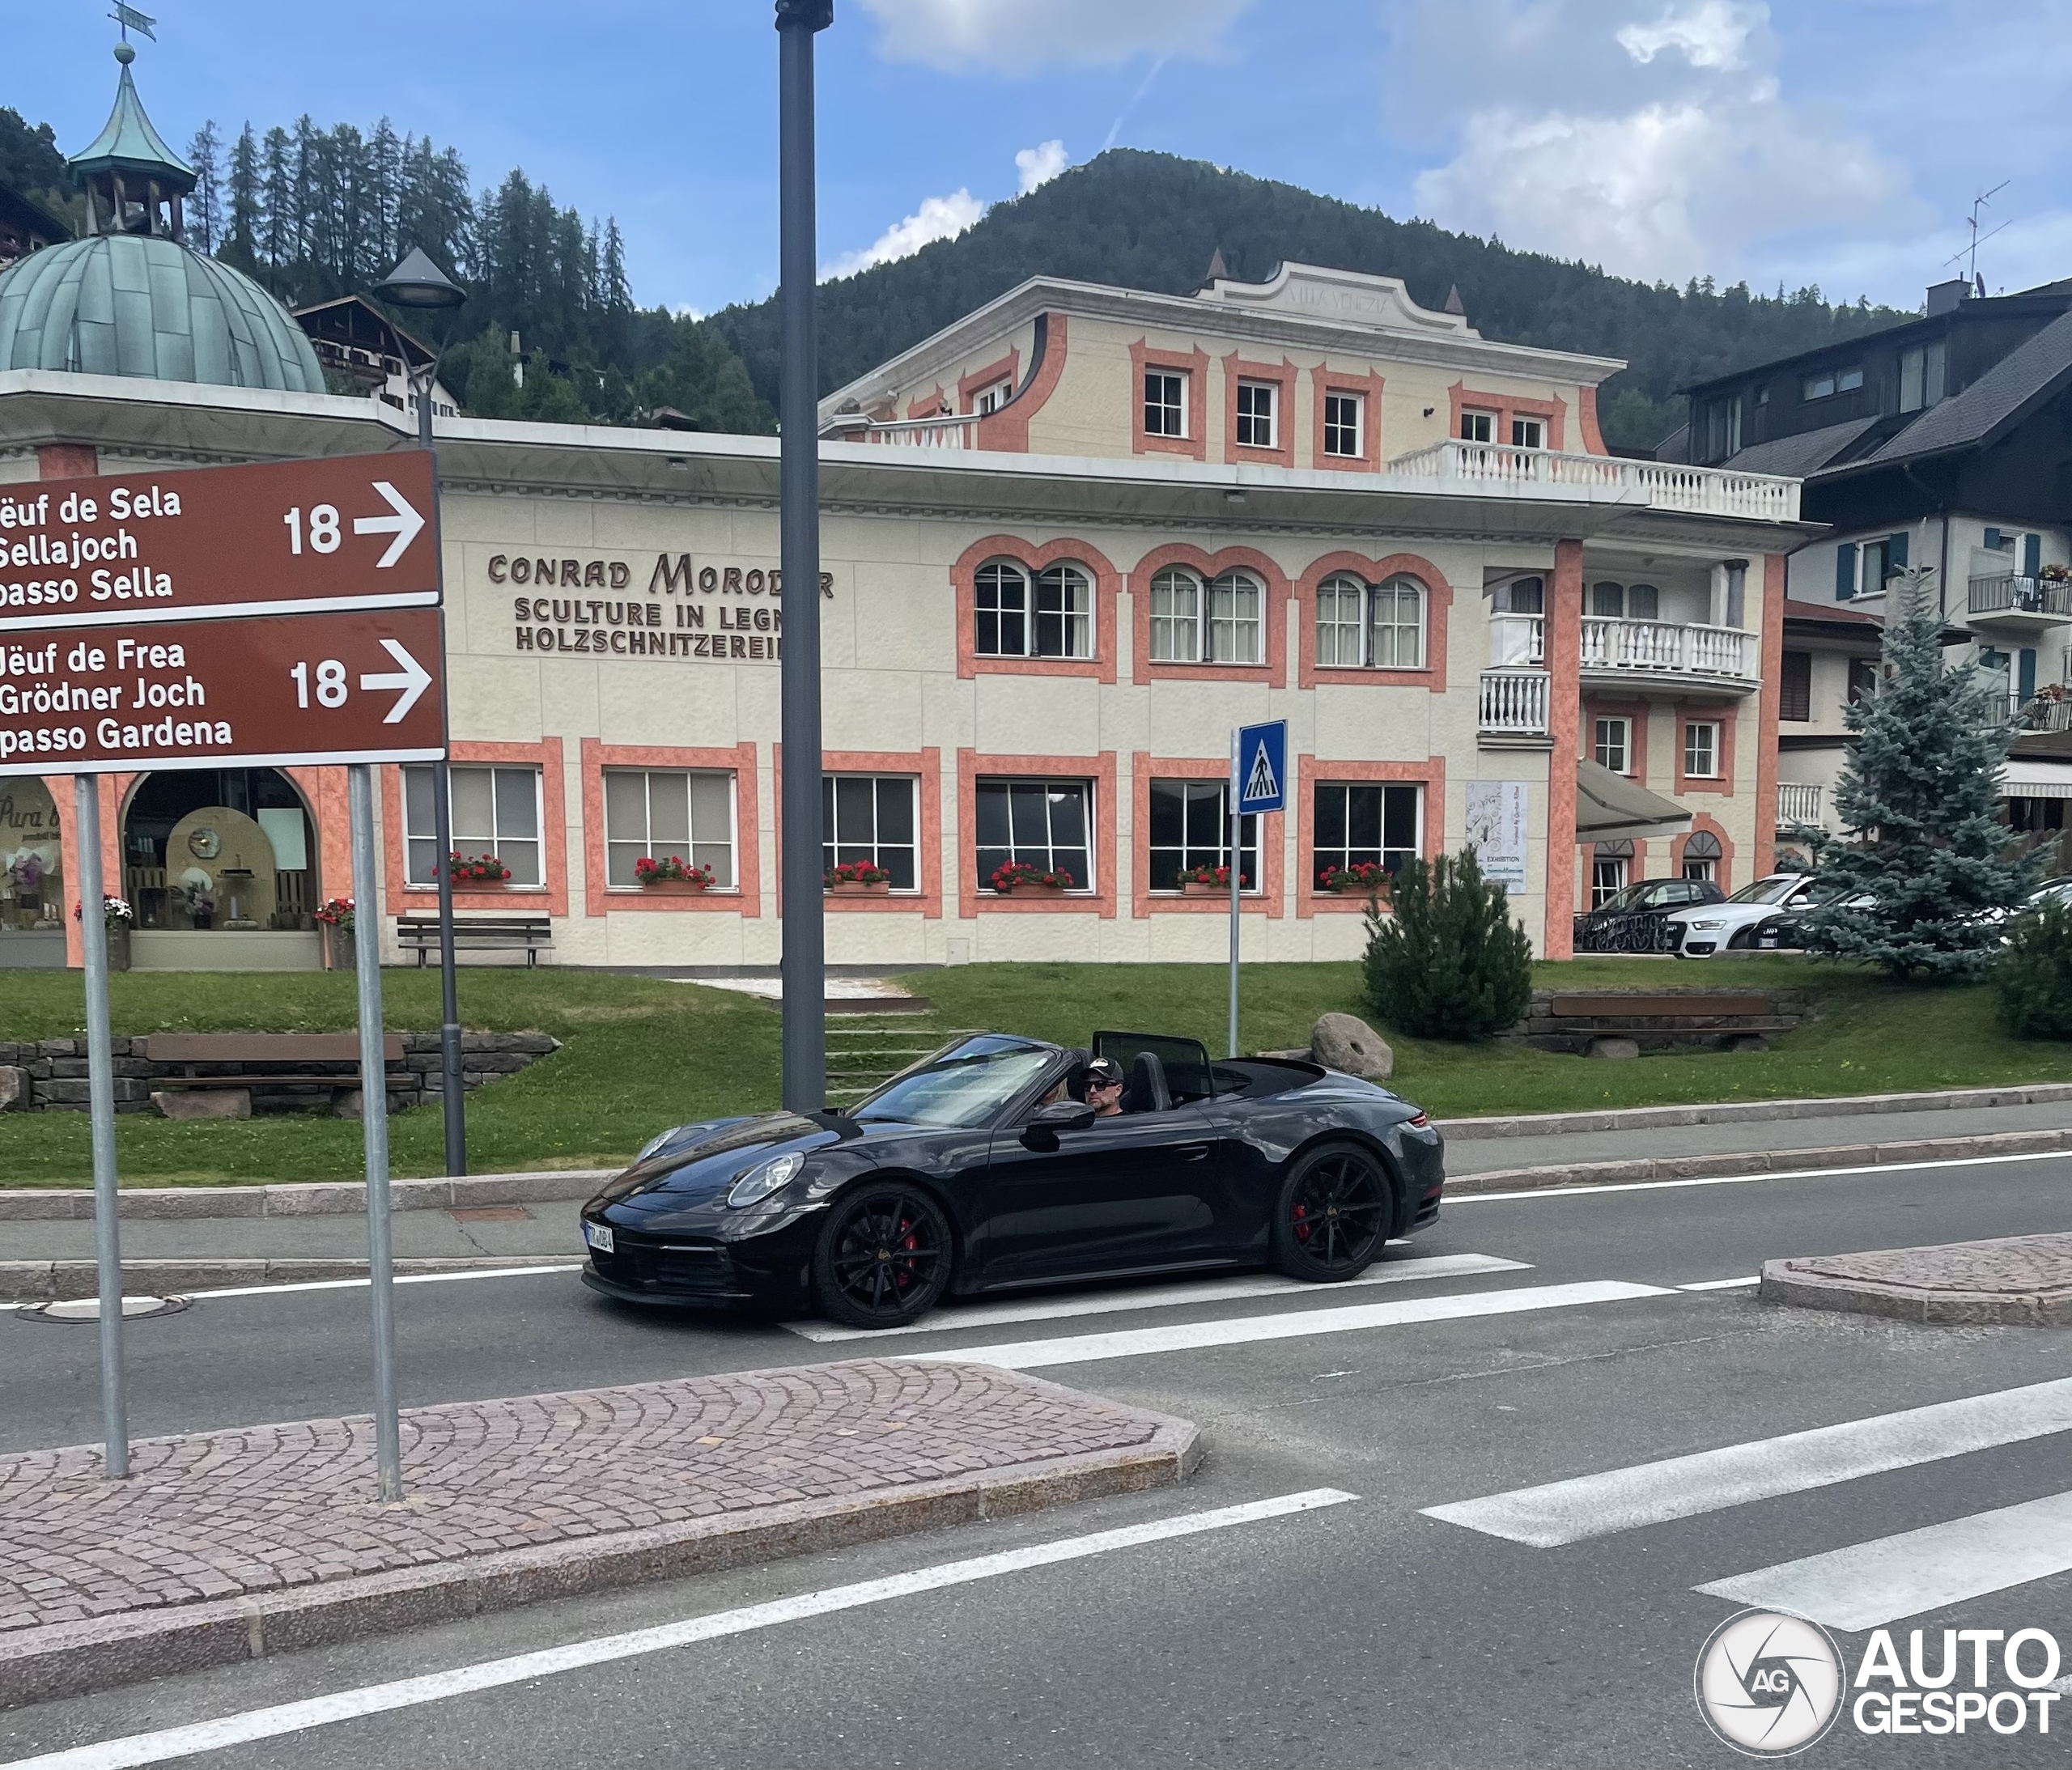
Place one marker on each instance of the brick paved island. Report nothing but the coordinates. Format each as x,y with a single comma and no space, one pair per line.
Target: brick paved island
225,1545
2019,1280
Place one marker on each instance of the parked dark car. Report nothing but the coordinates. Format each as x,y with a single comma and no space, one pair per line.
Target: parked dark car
1631,921
982,1168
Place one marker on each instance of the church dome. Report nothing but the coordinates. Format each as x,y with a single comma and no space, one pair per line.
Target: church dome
142,304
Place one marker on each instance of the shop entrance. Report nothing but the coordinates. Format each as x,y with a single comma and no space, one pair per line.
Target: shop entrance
33,900
220,866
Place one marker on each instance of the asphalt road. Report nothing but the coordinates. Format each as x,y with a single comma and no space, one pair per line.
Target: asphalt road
1357,1631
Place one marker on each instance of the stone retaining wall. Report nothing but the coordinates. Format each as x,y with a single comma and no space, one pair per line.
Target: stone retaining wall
50,1075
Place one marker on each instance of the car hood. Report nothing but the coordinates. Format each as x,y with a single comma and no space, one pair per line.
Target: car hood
698,1161
1730,914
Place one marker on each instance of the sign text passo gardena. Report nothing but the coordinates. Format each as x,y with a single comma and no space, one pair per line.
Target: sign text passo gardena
204,543
349,687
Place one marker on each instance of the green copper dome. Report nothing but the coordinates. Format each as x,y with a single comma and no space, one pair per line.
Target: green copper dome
140,304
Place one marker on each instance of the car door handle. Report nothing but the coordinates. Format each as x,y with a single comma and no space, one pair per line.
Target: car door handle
1193,1152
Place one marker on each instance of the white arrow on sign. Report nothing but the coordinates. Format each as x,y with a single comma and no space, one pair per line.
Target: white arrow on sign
413,679
404,525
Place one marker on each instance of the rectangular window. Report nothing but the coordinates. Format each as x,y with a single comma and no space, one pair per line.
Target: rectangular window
1043,823
1862,678
1478,427
1191,827
1912,379
1820,386
992,398
1343,416
1607,879
1849,380
1165,403
1795,689
1875,558
1001,607
1612,744
1359,820
1339,622
1064,612
1932,365
1527,433
1698,867
1234,619
651,813
1176,617
1701,749
872,819
496,811
1256,401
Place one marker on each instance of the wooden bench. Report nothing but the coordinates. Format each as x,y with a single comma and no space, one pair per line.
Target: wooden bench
1569,1020
477,934
296,1050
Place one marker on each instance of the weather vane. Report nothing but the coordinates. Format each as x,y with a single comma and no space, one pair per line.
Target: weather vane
130,19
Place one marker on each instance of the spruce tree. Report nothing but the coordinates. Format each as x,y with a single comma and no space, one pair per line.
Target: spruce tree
1916,798
1450,962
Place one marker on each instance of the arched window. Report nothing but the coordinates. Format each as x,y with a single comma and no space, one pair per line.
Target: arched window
1378,626
1176,604
1052,618
1702,854
1236,601
1221,622
1607,600
1643,602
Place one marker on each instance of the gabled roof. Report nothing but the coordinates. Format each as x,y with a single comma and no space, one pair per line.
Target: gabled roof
1999,399
128,143
1796,456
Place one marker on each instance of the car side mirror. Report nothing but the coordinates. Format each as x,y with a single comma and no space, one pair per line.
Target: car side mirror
1041,1132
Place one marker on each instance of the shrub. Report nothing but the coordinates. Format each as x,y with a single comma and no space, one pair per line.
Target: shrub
2033,978
1450,963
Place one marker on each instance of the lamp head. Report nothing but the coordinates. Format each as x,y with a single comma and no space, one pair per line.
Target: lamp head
418,282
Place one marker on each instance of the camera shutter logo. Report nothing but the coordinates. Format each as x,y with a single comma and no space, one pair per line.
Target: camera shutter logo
1767,1684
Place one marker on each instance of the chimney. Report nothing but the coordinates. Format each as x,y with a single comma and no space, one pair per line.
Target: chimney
1218,271
1943,296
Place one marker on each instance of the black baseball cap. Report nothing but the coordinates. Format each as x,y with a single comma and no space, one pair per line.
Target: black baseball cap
1104,1072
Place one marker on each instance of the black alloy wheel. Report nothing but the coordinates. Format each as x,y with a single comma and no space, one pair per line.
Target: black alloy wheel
1333,1215
883,1257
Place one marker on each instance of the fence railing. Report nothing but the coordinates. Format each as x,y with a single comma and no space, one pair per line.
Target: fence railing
1644,931
1514,703
949,432
2009,592
1610,644
1711,492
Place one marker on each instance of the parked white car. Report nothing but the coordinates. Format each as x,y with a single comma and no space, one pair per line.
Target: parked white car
1718,928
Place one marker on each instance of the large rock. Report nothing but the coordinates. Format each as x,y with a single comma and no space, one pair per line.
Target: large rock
1617,1049
1343,1042
203,1102
13,1088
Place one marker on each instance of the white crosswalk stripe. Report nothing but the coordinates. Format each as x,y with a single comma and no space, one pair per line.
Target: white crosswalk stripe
1573,1511
1302,1324
1221,1290
1869,1585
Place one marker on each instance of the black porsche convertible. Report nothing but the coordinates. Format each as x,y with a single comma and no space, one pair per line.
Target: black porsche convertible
982,1168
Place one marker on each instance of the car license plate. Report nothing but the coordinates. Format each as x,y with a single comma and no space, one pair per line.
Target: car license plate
598,1235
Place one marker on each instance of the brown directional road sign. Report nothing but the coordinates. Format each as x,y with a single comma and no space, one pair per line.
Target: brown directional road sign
202,543
347,687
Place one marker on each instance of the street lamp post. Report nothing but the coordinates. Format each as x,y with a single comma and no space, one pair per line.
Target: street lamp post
805,924
419,283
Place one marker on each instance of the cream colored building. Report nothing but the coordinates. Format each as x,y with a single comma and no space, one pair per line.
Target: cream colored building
1067,543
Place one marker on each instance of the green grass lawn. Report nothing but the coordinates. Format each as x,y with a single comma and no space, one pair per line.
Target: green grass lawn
641,1053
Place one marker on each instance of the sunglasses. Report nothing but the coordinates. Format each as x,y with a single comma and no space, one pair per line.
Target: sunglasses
1115,1083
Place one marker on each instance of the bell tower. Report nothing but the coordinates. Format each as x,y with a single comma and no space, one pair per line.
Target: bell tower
134,182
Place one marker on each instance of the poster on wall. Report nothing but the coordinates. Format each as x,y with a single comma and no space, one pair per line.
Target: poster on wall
32,856
1496,830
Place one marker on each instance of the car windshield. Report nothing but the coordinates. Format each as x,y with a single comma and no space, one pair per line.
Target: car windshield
1630,898
964,1085
1768,890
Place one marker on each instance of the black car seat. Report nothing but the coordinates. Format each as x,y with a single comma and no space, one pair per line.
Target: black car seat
1146,1090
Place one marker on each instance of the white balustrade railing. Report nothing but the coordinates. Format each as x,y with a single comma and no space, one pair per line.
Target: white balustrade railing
1517,639
950,431
1515,702
1798,803
1666,646
1710,492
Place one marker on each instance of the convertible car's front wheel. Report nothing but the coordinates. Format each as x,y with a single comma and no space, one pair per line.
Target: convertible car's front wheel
1333,1215
883,1257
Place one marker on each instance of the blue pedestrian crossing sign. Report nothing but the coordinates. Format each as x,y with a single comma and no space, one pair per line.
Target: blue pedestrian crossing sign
1263,767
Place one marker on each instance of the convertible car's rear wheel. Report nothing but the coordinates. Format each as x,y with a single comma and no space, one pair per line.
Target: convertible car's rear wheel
1333,1215
883,1257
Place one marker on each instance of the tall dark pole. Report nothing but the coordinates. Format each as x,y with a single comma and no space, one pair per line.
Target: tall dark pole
452,1103
805,932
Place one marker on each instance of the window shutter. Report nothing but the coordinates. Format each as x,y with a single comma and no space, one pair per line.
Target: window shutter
1844,572
1795,691
2032,555
1895,552
2025,680
1992,542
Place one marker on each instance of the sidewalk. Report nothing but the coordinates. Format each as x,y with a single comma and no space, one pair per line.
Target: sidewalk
228,1545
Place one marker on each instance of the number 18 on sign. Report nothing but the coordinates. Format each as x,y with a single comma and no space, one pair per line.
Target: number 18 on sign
1258,784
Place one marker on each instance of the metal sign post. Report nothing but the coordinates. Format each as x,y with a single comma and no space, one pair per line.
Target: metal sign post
101,1100
1259,782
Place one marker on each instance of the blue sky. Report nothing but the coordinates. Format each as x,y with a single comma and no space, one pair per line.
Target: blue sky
1830,141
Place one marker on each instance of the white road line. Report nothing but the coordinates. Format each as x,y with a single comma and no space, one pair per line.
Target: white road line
1744,1179
1244,1330
145,1748
1588,1506
1720,1285
1437,1266
1871,1584
400,1278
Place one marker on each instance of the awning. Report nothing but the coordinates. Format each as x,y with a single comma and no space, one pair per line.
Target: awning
1609,805
2026,778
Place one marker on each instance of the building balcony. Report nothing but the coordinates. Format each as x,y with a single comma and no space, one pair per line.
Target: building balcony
2042,713
1800,805
1705,491
2016,604
1514,705
950,431
1633,652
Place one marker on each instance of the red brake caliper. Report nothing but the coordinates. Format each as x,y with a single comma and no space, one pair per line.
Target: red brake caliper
1301,1225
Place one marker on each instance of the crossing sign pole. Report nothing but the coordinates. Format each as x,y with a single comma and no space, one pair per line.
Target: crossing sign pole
1259,782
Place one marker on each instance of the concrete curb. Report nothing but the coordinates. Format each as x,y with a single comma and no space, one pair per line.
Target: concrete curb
1911,1303
1732,1112
59,1281
71,1659
310,1198
1850,1155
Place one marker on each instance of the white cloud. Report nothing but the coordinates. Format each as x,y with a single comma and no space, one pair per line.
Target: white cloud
1025,36
1038,166
938,218
1675,153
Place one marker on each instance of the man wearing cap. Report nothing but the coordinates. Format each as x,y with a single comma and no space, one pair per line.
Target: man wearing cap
1104,1087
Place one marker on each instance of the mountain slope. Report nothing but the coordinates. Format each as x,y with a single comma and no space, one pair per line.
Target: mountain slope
1152,221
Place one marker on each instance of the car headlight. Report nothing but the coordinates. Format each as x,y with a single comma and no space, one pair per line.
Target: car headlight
1714,923
760,1181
